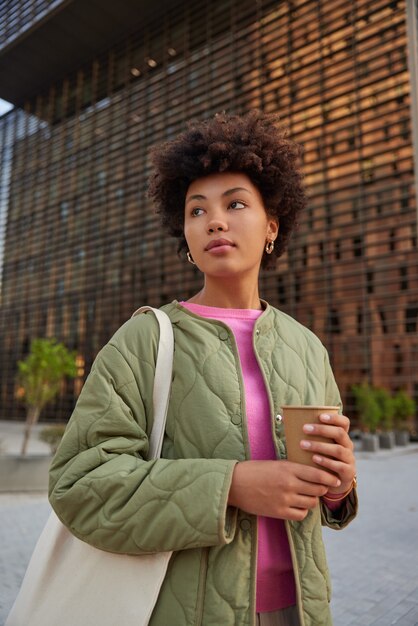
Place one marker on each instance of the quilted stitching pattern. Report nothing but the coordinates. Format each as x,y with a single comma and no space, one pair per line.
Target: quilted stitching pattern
103,490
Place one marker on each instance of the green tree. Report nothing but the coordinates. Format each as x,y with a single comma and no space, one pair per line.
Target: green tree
387,407
40,376
404,408
367,406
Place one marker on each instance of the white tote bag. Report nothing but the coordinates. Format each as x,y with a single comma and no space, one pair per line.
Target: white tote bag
70,583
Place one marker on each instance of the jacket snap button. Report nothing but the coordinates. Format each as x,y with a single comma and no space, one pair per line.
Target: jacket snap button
223,334
236,419
245,524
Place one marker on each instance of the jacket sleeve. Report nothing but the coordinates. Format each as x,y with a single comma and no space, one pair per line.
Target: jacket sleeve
332,394
104,491
340,518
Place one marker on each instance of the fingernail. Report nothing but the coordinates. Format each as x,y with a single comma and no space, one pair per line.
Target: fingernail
325,417
337,482
317,459
305,444
308,428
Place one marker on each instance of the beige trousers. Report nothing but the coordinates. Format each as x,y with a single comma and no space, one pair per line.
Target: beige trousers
285,617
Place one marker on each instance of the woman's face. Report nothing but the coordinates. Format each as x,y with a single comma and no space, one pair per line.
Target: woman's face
226,225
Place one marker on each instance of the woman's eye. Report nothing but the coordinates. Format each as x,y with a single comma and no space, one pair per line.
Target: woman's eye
197,211
237,204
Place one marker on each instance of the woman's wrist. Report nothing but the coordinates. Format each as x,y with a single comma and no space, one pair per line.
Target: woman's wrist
238,479
335,497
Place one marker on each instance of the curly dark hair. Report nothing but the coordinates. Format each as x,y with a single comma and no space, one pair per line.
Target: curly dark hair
254,144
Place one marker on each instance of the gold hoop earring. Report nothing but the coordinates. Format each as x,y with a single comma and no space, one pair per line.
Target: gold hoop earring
189,258
269,247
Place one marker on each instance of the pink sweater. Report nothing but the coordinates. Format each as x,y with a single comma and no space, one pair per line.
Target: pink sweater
275,579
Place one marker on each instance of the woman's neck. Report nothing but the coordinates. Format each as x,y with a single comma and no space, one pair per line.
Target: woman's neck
227,296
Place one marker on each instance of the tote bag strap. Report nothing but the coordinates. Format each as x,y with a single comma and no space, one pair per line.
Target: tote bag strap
162,380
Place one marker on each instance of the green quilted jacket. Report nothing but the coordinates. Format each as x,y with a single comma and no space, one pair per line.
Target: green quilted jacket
103,490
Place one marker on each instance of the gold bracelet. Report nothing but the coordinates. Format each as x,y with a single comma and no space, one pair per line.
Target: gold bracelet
344,495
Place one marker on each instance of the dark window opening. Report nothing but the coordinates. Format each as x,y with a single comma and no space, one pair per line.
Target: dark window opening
355,208
405,201
328,213
321,251
398,359
411,318
333,322
359,320
403,272
297,288
358,246
392,240
305,256
383,322
369,282
337,250
405,129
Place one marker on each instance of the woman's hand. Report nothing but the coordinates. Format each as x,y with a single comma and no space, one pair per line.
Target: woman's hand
337,455
279,489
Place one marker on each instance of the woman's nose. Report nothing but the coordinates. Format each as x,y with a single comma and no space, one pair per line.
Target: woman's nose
217,225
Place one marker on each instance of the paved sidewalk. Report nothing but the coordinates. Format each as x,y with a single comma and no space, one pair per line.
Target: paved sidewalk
374,562
22,517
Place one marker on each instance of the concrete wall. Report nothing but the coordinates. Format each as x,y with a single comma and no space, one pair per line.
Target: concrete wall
29,473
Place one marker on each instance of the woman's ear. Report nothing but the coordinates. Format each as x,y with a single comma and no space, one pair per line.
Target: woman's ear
272,228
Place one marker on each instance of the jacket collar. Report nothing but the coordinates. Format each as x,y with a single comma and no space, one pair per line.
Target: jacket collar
177,312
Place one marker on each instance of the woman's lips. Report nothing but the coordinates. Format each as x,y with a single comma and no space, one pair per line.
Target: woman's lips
219,245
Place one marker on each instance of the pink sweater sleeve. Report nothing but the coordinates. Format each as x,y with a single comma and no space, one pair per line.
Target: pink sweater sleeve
331,504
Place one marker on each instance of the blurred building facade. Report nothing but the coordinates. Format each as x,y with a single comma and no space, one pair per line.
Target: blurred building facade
80,247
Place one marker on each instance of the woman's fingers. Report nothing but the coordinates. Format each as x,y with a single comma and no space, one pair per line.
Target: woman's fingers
313,475
332,457
336,455
337,420
332,427
333,450
344,470
334,433
305,502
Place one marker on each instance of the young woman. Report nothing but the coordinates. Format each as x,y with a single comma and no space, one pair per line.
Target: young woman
244,523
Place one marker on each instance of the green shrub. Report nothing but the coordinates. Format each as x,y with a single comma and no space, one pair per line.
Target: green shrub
52,435
368,408
404,408
387,407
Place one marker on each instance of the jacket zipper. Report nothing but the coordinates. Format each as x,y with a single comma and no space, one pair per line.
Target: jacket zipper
255,333
205,556
247,456
202,586
242,394
286,522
